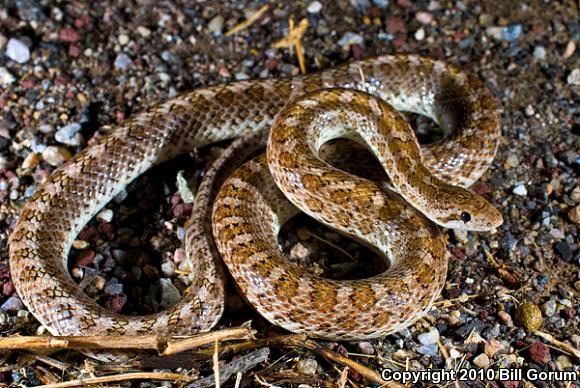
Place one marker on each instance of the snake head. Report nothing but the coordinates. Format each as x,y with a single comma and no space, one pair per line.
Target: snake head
466,210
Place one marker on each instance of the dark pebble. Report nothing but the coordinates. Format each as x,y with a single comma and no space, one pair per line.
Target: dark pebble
564,250
473,325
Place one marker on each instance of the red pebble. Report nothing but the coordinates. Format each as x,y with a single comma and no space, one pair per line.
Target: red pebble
74,51
69,35
458,253
85,258
539,353
8,288
395,24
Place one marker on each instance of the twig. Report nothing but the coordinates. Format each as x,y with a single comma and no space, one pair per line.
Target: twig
294,38
181,345
249,21
121,377
164,345
239,365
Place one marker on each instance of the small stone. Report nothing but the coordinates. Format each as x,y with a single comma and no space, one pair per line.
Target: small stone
539,53
105,215
143,31
564,250
569,50
492,347
69,135
307,366
122,61
31,161
428,350
116,303
563,362
80,244
475,325
481,361
530,110
366,348
123,39
6,78
4,319
511,161
428,338
549,308
424,17
168,268
17,51
187,195
454,318
539,353
299,251
69,35
55,156
420,34
520,190
216,25
314,7
529,316
349,39
491,332
574,77
508,33
169,294
113,287
12,304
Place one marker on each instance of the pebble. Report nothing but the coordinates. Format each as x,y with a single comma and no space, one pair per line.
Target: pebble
365,347
314,7
143,31
529,316
511,161
168,268
569,50
186,193
475,325
481,361
574,77
6,78
12,304
122,61
420,34
563,362
539,353
349,39
216,25
549,308
69,35
424,17
491,332
169,294
454,318
428,338
520,190
564,250
307,366
55,156
17,51
31,161
492,347
539,53
113,287
123,39
508,33
4,319
428,350
69,135
105,215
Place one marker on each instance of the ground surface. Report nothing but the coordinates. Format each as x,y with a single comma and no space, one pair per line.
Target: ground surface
92,65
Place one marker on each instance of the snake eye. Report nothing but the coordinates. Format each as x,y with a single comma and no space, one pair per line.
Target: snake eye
465,217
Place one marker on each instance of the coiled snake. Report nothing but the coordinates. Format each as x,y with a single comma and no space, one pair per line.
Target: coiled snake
346,101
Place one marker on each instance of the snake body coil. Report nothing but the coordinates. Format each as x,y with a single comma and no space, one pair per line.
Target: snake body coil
56,213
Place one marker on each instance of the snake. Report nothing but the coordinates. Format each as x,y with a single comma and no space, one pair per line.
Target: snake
295,116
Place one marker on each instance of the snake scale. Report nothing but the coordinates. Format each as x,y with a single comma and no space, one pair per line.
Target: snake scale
357,101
